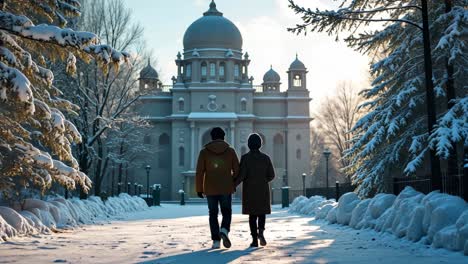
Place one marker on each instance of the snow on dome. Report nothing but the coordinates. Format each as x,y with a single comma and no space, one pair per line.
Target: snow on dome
297,65
213,30
149,72
271,76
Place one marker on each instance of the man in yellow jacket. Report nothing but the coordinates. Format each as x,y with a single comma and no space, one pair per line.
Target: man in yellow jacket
217,167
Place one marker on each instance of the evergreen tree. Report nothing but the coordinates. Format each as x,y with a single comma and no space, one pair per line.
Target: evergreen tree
35,136
393,137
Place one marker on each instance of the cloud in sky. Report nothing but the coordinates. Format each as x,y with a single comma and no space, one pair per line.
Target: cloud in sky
263,25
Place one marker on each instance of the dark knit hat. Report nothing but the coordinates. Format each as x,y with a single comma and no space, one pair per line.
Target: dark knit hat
217,133
254,142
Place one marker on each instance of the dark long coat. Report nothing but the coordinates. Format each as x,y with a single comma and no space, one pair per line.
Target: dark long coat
256,171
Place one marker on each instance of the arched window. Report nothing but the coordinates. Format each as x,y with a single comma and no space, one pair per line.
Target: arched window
278,151
212,69
221,69
164,148
297,80
298,154
203,69
263,139
236,71
147,139
181,105
181,156
243,150
188,71
243,105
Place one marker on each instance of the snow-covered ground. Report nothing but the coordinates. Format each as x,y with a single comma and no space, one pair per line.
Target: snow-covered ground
53,214
180,234
436,219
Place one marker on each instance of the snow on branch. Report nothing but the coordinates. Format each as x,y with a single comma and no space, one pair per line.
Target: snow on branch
65,37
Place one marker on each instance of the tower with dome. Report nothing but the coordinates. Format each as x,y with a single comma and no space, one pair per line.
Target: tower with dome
212,87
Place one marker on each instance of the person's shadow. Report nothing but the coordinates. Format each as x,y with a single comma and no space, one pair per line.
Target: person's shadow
205,256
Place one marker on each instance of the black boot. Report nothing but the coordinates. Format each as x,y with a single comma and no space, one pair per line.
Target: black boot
262,238
254,242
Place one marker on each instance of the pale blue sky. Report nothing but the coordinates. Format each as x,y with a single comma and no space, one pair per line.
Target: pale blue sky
263,26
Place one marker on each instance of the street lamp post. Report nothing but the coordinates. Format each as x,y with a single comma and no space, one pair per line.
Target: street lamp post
303,183
148,169
136,186
327,154
285,178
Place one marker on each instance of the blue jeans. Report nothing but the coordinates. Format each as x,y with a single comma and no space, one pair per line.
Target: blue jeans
224,202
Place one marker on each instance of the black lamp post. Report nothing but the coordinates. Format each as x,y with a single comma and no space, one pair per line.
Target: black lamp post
285,178
148,169
136,191
327,154
303,184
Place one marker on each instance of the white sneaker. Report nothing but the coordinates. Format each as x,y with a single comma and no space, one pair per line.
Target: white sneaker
224,236
216,244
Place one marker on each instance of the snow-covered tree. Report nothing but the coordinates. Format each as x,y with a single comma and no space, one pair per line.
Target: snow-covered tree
393,137
336,117
35,136
103,97
126,148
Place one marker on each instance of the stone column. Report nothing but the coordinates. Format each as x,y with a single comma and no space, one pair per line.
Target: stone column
192,146
233,134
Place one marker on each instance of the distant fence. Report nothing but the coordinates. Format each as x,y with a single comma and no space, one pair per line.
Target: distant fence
450,184
331,192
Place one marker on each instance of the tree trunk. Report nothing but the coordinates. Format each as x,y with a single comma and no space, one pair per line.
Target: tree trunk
452,162
83,162
98,169
126,178
436,180
119,186
465,173
113,178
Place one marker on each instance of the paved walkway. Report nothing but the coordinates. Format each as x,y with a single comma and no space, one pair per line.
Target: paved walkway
175,234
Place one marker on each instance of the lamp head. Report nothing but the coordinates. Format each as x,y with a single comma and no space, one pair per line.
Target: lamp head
327,153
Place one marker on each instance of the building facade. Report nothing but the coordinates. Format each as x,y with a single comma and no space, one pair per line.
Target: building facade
213,88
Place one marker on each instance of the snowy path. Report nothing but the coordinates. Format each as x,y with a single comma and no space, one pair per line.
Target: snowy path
174,234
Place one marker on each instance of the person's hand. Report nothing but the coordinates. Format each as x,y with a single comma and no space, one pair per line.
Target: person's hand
200,194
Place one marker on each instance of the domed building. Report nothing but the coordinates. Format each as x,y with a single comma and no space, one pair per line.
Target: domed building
212,88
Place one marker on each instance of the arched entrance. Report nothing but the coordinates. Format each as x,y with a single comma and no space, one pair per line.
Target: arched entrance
206,138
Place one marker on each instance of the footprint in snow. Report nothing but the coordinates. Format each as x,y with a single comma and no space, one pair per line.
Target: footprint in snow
48,248
152,253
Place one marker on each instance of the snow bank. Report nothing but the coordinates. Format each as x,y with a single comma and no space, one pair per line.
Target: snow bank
42,217
437,219
346,205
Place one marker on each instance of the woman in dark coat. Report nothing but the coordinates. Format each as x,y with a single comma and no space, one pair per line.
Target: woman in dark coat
256,171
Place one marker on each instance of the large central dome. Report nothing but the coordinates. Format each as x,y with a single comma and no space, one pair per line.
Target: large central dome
212,31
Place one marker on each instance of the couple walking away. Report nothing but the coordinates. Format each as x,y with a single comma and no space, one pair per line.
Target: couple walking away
219,173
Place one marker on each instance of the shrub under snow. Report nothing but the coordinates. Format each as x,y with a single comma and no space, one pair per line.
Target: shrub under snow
438,219
38,216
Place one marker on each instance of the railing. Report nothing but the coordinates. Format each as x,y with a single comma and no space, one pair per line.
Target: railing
452,184
333,192
258,88
166,88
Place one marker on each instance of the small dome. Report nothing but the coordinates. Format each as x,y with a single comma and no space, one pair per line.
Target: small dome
297,65
212,31
271,76
149,72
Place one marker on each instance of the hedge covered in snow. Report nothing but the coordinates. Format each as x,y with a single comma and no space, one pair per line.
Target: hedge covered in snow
436,219
42,217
